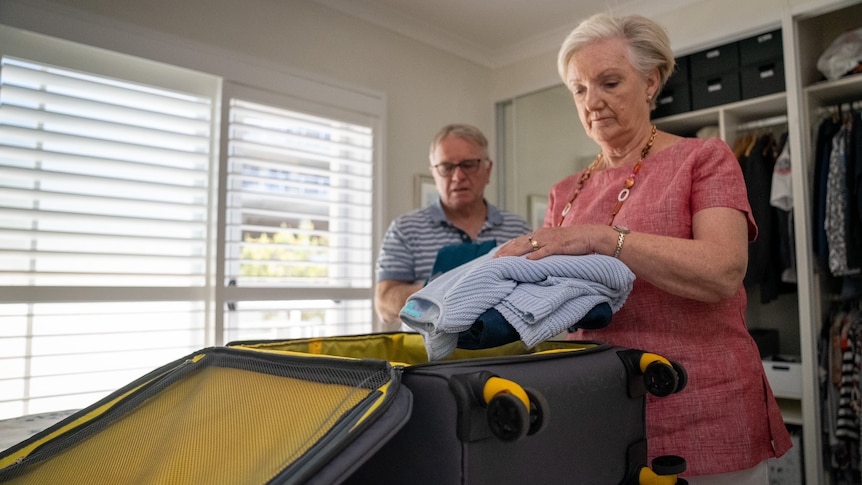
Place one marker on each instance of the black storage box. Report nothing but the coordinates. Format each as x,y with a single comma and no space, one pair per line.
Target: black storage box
760,79
763,47
715,90
717,60
680,73
673,99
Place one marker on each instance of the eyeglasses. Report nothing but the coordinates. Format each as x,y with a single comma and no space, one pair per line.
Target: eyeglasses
469,166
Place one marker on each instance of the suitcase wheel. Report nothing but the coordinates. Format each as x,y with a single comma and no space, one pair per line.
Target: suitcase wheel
538,411
664,471
681,374
661,376
652,373
508,417
509,411
668,465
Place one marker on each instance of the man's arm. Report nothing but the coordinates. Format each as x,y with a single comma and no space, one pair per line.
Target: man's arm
390,297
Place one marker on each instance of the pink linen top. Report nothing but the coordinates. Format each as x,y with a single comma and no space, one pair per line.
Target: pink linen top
726,419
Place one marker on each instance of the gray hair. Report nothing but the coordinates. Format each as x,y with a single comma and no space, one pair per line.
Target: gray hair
464,131
649,44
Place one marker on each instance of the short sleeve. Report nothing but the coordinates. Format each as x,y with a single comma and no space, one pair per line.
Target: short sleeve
395,260
717,181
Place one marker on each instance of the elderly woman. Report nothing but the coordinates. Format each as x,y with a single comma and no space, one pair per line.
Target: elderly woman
675,211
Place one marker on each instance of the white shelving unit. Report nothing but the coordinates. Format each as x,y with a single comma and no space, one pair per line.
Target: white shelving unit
805,36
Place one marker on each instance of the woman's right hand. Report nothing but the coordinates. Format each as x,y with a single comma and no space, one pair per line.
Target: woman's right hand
572,240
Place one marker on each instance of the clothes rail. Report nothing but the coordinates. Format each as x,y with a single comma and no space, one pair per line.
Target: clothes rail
763,123
855,105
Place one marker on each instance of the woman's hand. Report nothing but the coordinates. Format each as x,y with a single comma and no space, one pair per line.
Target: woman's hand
709,267
573,240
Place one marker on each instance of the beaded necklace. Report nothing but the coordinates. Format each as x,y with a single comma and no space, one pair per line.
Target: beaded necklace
627,185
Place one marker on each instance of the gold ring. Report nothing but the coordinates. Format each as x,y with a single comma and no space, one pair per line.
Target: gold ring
533,243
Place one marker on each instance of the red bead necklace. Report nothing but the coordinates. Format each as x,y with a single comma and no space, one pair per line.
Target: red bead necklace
627,185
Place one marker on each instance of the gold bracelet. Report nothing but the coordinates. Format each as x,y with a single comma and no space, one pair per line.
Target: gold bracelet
623,231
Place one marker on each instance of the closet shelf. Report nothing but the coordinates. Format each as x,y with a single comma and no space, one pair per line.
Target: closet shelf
837,91
791,410
768,106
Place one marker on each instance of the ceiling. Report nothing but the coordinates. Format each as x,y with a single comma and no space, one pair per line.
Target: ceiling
492,33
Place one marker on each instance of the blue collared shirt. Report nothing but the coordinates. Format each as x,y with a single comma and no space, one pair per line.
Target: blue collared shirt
412,241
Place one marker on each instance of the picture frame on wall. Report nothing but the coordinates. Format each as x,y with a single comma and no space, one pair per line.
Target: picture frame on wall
537,205
424,191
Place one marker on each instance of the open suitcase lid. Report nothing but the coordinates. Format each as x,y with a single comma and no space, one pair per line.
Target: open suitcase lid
224,415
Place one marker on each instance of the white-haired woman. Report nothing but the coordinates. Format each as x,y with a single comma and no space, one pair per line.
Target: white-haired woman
675,210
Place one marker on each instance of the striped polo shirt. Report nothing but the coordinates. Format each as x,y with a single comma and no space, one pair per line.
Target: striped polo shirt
412,241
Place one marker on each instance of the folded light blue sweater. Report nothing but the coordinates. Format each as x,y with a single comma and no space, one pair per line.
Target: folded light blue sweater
540,298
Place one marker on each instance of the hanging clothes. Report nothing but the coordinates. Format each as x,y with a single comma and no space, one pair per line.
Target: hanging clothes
840,361
837,230
829,127
781,198
836,215
854,191
764,264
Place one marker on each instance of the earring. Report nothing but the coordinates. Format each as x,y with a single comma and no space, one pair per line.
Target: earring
649,98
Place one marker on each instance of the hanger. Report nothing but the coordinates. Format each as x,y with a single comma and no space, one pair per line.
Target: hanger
741,144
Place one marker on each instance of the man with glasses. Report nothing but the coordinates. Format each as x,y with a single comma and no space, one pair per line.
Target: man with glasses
461,220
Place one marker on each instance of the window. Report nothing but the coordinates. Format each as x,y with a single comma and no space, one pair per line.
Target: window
140,222
298,217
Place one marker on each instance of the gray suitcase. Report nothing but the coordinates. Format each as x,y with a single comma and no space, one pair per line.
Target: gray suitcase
580,417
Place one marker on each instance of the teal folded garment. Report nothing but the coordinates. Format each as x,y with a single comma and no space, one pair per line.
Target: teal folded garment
452,256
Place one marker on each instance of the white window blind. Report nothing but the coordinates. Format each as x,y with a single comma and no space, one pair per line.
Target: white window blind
104,192
104,182
299,218
58,356
117,242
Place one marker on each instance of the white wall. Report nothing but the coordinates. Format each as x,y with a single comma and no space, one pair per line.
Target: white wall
424,88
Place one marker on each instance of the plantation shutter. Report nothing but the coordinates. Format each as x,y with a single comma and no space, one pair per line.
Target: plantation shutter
104,226
105,183
299,217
